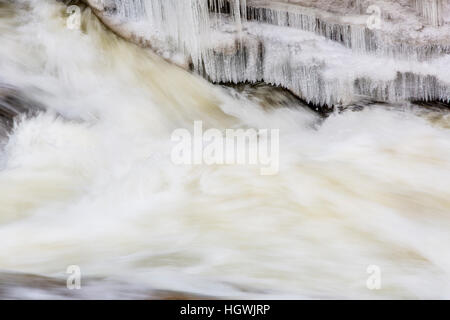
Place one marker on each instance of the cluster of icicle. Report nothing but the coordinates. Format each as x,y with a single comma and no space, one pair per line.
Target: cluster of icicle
241,54
431,10
186,23
130,9
355,36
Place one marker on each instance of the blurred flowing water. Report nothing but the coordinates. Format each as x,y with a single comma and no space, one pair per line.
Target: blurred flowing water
86,179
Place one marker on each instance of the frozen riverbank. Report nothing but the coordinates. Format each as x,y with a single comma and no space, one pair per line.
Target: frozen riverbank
327,54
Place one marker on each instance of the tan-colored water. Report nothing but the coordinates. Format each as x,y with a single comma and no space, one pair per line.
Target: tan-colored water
90,182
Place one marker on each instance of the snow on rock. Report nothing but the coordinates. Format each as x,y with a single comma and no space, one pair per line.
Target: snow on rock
326,52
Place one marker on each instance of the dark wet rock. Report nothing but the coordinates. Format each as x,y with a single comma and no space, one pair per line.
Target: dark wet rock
30,286
13,103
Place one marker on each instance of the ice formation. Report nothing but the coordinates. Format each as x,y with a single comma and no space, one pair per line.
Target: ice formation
431,10
326,52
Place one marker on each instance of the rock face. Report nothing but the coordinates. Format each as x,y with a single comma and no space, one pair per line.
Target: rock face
326,52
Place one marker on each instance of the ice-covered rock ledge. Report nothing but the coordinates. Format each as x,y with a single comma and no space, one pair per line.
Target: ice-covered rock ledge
326,52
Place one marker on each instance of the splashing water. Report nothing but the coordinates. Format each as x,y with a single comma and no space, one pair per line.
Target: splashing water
89,181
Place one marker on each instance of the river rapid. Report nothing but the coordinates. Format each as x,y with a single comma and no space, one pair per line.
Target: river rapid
87,179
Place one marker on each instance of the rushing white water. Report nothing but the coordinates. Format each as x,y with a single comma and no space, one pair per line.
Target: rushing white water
89,182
